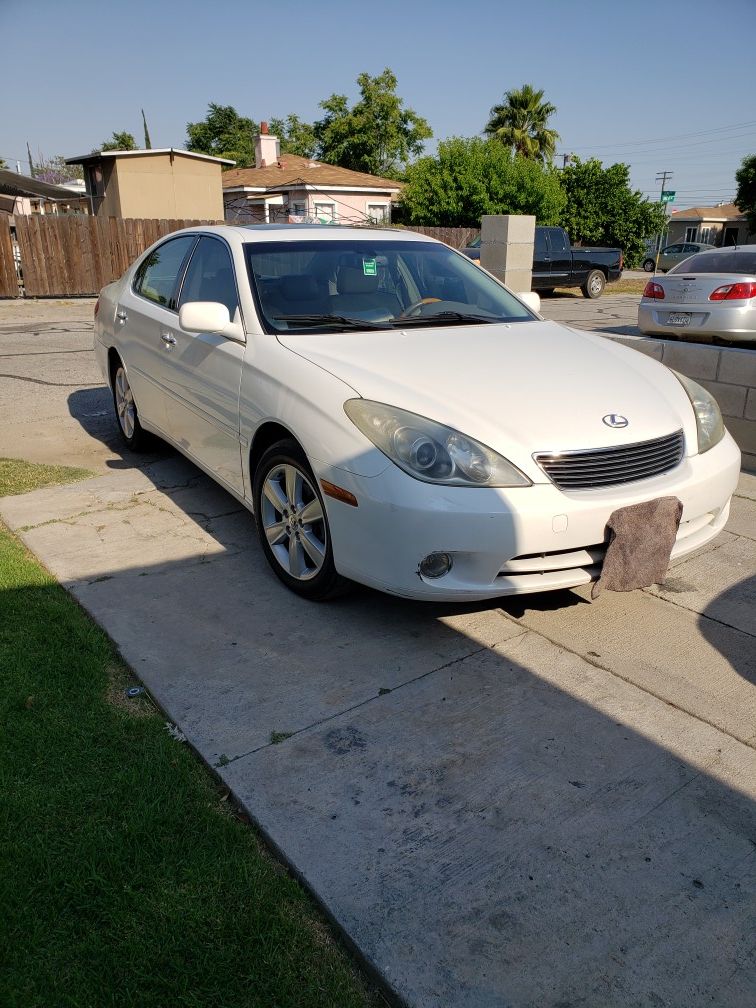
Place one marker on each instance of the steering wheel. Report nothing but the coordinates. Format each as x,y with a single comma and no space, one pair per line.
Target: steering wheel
417,308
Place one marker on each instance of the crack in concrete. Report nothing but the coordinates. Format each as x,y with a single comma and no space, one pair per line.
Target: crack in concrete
372,699
47,353
676,790
748,741
51,384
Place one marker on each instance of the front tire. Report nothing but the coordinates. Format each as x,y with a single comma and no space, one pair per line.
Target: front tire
134,435
292,523
594,285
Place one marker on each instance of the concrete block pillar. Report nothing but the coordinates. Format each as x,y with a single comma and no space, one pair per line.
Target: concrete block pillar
506,248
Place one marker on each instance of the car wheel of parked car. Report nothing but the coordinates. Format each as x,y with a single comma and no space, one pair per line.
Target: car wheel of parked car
648,265
292,523
132,432
594,285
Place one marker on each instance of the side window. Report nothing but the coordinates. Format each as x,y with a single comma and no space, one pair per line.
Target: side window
673,249
210,276
558,240
157,276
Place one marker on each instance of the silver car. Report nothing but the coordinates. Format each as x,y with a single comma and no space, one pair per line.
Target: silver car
712,293
671,255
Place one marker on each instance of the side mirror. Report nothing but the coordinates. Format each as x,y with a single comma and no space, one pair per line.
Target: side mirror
532,299
204,316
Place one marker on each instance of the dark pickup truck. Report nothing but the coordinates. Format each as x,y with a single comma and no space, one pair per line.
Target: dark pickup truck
557,264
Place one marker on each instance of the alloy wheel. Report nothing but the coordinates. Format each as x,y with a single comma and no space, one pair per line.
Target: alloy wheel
293,521
124,400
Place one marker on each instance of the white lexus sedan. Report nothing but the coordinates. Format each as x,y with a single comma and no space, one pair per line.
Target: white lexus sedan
393,415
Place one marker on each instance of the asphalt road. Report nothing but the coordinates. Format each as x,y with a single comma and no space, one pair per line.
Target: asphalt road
540,801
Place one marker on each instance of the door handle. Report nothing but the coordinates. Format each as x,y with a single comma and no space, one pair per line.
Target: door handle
167,338
121,316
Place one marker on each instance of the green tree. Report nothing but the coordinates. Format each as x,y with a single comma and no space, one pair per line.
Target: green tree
472,177
224,133
602,209
3,163
377,134
147,141
296,136
745,197
119,141
520,123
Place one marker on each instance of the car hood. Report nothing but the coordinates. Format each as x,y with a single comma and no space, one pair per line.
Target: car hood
519,388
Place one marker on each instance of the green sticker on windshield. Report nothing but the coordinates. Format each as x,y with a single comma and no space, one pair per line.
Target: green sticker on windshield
369,267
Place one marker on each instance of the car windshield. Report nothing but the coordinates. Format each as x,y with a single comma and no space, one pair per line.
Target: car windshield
740,261
362,284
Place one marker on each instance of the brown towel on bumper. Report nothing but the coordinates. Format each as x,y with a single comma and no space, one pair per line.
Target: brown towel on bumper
641,538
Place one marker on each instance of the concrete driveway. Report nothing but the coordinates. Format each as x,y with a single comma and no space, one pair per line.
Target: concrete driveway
541,802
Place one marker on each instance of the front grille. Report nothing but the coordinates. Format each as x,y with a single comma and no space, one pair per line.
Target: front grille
603,467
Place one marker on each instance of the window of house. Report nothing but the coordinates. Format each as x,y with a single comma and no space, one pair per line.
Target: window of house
299,209
690,234
325,213
378,212
705,235
210,276
158,274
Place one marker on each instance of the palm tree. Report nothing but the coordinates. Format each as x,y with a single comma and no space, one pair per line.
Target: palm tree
520,123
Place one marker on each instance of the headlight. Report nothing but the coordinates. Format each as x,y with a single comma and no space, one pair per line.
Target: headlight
429,451
708,417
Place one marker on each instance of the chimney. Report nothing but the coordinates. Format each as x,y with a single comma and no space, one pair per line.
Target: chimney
267,148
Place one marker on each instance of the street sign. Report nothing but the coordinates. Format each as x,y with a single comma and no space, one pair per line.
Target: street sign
668,196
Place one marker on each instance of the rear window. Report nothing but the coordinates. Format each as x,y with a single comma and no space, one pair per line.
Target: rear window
719,262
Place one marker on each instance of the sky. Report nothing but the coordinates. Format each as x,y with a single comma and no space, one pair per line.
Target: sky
668,85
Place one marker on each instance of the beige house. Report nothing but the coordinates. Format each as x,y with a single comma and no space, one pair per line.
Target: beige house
296,190
719,225
168,184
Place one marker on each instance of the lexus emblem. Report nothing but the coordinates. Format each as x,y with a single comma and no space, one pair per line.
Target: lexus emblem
615,420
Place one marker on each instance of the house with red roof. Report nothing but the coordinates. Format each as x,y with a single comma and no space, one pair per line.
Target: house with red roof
291,189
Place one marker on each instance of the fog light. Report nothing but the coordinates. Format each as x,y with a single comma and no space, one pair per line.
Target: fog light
435,565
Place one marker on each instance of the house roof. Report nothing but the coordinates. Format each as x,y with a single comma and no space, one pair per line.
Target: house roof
292,170
13,184
725,212
96,155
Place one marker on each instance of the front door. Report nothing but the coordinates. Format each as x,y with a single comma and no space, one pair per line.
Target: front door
145,310
205,370
541,260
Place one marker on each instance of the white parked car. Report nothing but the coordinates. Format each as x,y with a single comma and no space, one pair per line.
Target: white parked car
393,415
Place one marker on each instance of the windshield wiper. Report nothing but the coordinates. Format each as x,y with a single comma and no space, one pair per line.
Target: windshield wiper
341,320
444,316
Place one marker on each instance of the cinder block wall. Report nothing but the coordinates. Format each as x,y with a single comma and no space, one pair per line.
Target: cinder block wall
729,374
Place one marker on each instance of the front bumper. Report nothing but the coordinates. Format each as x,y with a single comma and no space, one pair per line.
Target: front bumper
507,542
728,321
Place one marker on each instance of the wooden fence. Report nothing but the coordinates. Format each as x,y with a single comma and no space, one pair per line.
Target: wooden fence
75,255
78,255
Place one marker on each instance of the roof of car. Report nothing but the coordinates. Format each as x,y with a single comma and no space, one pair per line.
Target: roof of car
305,232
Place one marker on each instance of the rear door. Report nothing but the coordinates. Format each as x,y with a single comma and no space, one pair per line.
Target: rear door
143,311
203,376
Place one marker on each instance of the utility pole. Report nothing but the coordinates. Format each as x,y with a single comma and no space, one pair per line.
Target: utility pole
31,165
661,177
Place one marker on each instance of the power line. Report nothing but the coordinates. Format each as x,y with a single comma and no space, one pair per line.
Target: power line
666,139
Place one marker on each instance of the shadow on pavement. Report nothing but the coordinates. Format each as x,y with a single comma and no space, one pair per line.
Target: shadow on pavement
712,622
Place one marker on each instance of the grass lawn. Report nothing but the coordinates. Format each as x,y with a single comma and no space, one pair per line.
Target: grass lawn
126,879
630,286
